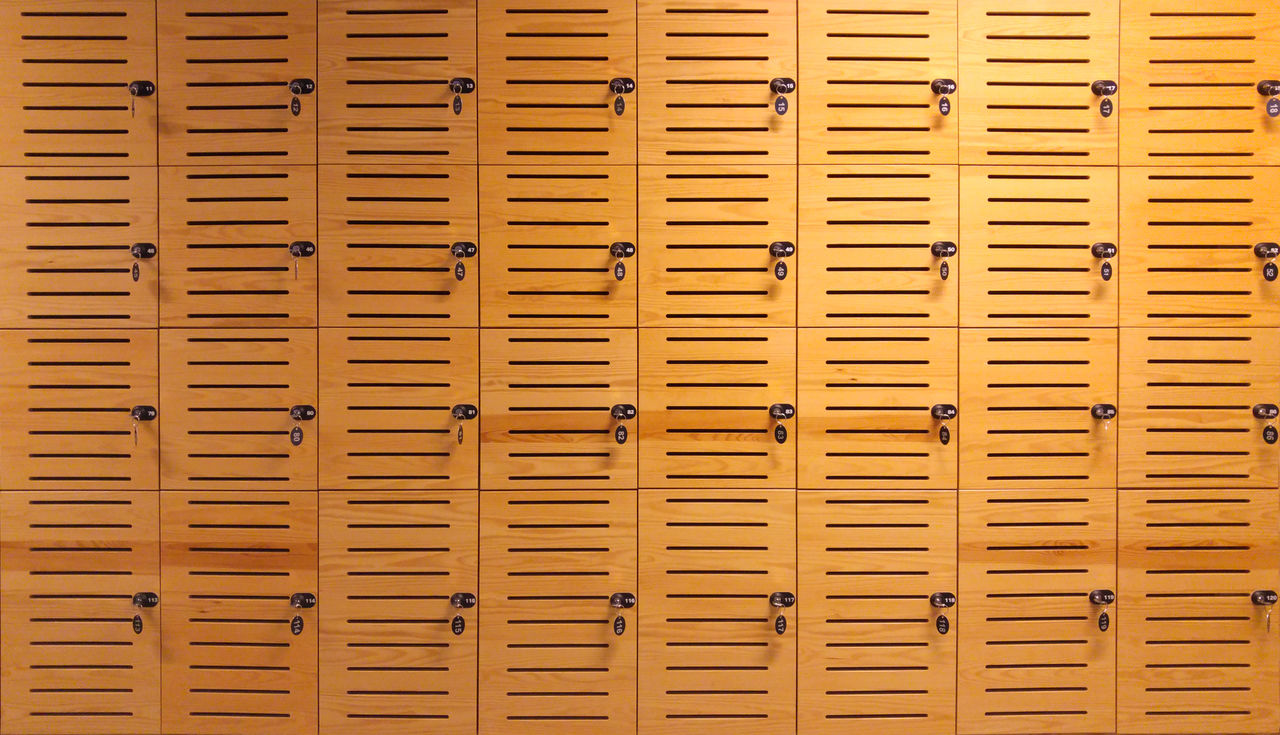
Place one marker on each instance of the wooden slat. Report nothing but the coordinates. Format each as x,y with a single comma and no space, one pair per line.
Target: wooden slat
390,660
72,661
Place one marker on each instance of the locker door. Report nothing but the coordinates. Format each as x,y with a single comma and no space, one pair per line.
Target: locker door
551,564
397,574
79,655
386,72
389,234
78,247
877,641
1036,74
713,243
1036,244
1039,408
68,400
388,397
67,66
553,240
717,630
873,410
878,243
239,577
240,409
1195,241
870,68
1193,76
718,407
1195,654
239,245
720,81
1188,397
559,408
1033,656
230,73
548,70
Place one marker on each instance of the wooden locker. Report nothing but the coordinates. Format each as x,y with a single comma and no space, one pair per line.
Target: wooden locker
398,627
548,74
878,633
877,408
238,81
1033,655
554,239
79,247
713,242
1036,76
718,626
718,408
239,577
880,246
1195,241
720,81
1039,408
876,74
399,246
1039,245
387,72
81,629
559,409
557,569
1196,655
78,410
1193,73
1188,399
67,67
400,408
240,409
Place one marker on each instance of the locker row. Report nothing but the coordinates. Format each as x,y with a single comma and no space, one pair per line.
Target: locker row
666,611
563,409
650,81
737,246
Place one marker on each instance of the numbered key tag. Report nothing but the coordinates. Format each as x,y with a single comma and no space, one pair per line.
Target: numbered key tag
619,269
1269,271
137,624
943,624
780,271
295,436
944,435
780,624
459,271
457,104
780,105
295,625
619,625
620,435
295,107
619,105
457,625
1106,271
1104,621
1106,107
944,270
1269,434
944,106
1273,107
780,434
137,272
459,434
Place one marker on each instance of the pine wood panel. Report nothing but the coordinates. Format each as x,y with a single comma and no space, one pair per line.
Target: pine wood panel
1195,655
874,655
66,241
545,71
865,413
1027,67
393,658
1029,400
66,410
1188,237
225,70
1032,657
389,234
230,564
870,235
708,69
711,659
66,67
1190,73
385,68
388,397
1029,235
227,395
78,655
706,396
1186,402
547,398
550,656
868,68
548,235
705,246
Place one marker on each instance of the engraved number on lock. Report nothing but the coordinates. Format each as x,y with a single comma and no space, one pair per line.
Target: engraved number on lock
457,625
295,625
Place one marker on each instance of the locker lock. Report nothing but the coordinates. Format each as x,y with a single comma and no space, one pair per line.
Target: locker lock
140,88
942,88
1270,88
781,86
302,600
460,86
1106,89
622,600
143,250
1104,251
1103,599
145,599
944,412
299,87
1268,251
620,86
463,600
1265,411
1103,411
943,250
302,412
781,412
621,412
943,599
138,414
780,600
1267,599
779,250
463,412
462,250
620,251
300,249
